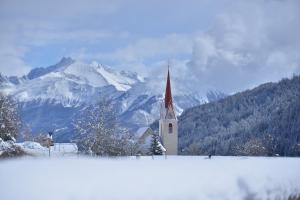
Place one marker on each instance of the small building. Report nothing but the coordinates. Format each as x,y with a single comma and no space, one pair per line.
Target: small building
144,137
143,134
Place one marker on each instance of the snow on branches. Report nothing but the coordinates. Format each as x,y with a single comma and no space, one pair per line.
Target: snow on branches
9,122
98,132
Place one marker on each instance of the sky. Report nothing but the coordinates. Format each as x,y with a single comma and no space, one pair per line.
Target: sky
228,45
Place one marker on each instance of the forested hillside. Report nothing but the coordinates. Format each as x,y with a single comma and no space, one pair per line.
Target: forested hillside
261,121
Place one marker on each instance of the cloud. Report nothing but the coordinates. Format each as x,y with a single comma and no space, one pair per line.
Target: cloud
33,24
250,43
144,56
247,44
225,45
15,45
13,65
148,48
124,31
11,56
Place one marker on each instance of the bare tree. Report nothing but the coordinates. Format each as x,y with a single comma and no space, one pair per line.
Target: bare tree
9,121
99,134
9,126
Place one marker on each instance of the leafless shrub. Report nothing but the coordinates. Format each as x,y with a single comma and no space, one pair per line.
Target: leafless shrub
98,132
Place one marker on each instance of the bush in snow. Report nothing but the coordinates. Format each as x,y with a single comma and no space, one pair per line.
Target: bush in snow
10,149
9,122
99,133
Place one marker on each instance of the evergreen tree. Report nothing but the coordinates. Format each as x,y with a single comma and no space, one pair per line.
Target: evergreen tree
155,148
258,122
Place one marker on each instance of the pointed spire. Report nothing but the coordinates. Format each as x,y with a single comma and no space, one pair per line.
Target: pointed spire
168,93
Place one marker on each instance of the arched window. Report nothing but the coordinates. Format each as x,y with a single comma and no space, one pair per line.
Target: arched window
170,128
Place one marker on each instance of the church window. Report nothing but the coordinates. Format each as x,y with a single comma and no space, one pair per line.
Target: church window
170,128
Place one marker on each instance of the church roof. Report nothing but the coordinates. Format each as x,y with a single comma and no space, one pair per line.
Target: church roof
168,93
167,109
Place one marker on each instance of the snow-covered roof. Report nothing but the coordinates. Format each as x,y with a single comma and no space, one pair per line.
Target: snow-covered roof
141,131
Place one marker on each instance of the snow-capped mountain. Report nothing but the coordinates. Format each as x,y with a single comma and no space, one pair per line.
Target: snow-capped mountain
70,83
50,97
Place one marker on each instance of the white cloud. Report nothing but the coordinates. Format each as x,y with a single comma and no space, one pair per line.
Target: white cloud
13,65
248,43
170,45
251,43
11,56
33,23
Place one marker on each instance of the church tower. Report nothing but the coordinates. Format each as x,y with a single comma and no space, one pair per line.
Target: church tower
168,127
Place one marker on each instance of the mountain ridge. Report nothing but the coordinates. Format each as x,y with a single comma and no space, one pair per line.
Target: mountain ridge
50,97
261,121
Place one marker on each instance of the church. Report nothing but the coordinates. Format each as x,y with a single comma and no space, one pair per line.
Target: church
168,126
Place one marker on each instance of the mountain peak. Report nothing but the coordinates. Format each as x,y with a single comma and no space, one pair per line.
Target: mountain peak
65,61
37,72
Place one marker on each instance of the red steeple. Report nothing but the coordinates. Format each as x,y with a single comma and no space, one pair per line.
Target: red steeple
168,93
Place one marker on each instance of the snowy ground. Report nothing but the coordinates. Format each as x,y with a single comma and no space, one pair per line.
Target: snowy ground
129,178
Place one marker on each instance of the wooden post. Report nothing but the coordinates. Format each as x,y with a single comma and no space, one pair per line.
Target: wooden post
49,150
50,142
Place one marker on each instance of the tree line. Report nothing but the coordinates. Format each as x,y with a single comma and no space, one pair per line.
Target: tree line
264,121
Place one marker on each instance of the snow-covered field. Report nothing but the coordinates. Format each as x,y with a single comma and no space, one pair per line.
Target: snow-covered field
176,177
